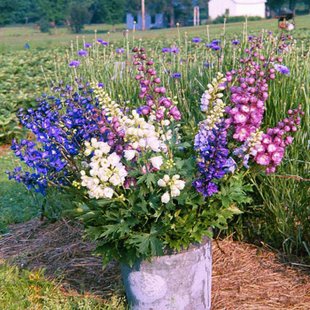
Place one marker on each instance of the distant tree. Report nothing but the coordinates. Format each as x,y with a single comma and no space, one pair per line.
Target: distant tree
307,2
26,11
108,11
292,4
7,8
44,24
79,15
55,11
275,4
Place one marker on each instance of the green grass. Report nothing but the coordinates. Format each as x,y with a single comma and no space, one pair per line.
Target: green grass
16,203
24,290
14,38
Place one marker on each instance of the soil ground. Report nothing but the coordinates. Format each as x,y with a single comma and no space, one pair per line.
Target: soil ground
244,276
4,149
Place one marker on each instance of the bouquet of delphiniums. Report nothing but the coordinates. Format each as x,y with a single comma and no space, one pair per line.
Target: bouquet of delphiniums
144,186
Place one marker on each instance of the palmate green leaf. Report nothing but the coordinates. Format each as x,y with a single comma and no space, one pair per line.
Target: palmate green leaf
143,192
156,246
234,191
94,232
150,180
111,230
187,165
141,179
141,242
142,207
147,244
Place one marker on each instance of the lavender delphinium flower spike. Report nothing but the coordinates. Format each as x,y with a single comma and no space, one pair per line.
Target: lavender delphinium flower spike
211,146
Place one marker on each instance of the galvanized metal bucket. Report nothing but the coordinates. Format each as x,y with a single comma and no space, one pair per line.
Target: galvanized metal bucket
179,281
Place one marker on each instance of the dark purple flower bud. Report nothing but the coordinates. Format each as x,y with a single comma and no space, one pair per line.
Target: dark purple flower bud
162,90
196,40
82,53
176,75
175,113
174,50
216,42
282,69
215,47
145,110
235,42
159,115
74,63
102,42
166,50
111,136
120,50
150,102
207,64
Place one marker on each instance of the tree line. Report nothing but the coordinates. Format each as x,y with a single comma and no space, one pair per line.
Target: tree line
75,13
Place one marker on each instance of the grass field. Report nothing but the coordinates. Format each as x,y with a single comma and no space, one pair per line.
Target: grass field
14,38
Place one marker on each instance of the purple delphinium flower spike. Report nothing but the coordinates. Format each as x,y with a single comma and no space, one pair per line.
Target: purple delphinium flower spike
211,146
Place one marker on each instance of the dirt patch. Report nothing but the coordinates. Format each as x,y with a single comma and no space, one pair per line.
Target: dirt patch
4,149
244,276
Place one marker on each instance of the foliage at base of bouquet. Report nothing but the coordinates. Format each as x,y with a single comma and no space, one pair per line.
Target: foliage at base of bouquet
140,226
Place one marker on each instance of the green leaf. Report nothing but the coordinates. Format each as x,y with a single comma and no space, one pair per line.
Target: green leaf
147,244
150,180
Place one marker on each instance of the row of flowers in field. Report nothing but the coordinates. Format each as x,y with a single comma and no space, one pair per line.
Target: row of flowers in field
159,185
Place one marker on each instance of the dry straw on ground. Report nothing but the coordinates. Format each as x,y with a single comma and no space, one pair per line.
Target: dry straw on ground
244,276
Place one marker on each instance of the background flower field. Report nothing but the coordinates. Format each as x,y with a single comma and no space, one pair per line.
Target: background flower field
279,215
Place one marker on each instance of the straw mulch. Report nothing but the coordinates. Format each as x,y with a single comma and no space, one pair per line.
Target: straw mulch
250,278
60,250
244,276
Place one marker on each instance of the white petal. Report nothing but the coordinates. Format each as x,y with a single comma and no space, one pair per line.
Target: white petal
165,198
129,154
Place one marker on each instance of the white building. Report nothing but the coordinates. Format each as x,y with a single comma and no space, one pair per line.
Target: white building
236,8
